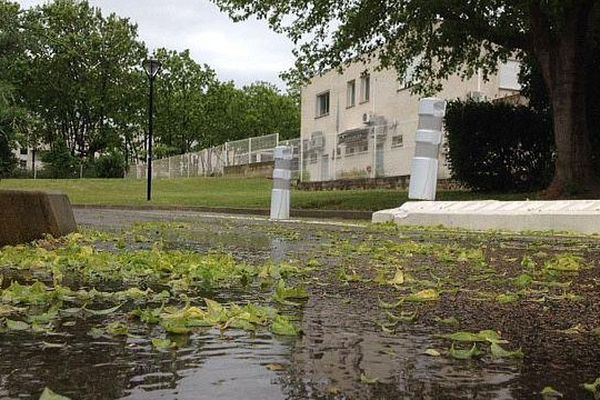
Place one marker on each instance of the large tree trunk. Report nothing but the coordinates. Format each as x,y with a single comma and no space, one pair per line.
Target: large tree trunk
562,57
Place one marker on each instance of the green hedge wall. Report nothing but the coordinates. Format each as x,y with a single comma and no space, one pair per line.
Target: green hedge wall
499,146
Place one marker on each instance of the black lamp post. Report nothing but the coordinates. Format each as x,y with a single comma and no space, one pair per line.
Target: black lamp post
151,67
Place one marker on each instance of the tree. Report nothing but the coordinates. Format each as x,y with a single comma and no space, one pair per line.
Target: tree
12,115
269,111
81,69
180,94
448,37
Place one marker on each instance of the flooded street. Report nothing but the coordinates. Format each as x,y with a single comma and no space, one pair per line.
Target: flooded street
382,307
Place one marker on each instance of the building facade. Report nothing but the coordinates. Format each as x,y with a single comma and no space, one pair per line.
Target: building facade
362,122
26,157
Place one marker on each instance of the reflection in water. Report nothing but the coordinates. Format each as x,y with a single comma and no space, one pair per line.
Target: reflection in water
338,349
228,367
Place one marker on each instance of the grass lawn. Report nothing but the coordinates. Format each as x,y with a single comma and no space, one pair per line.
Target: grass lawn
225,192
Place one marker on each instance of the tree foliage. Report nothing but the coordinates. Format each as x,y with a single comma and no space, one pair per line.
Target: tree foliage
181,93
71,78
80,74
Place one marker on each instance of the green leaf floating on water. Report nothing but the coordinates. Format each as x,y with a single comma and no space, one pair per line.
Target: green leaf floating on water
163,344
499,352
117,329
482,336
48,394
283,293
593,388
107,311
423,295
283,326
565,263
507,298
549,393
17,325
451,321
459,354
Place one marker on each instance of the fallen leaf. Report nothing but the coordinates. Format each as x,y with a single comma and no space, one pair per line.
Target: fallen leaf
48,394
499,352
369,381
549,393
276,367
459,354
432,352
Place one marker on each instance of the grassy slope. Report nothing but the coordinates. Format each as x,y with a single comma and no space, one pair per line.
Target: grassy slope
224,192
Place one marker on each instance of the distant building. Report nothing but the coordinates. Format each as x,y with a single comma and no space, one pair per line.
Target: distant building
25,157
362,122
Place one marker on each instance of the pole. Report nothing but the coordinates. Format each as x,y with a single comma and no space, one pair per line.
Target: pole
150,121
33,163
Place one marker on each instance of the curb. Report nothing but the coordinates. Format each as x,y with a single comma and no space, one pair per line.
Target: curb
296,213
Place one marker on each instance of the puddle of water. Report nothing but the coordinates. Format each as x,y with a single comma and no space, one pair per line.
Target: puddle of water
340,351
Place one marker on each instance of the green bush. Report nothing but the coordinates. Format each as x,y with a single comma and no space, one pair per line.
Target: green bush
8,161
499,146
111,165
59,163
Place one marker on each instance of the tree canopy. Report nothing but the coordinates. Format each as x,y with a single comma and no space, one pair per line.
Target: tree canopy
71,78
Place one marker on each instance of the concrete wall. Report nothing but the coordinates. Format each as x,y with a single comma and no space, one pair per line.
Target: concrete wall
395,110
29,215
262,169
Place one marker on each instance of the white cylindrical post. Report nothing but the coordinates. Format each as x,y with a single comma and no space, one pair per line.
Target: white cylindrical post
424,168
282,176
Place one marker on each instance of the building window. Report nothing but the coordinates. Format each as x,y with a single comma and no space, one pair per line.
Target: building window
313,158
410,79
397,141
365,88
356,148
508,75
24,151
322,104
351,94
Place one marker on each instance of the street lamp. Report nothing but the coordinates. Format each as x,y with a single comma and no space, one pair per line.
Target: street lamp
151,66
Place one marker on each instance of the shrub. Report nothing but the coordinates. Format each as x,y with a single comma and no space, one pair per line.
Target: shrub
499,146
8,161
60,163
111,165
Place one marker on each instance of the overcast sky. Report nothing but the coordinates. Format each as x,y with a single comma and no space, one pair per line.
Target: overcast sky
244,52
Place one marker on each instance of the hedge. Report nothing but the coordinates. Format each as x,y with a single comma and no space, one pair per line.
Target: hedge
499,146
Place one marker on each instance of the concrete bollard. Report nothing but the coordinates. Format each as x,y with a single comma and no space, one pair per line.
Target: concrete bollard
27,216
282,176
424,168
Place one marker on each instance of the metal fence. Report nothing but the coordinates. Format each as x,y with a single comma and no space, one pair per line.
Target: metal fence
214,160
371,151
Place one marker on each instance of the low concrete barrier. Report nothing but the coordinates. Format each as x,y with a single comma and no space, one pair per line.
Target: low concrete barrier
29,215
581,216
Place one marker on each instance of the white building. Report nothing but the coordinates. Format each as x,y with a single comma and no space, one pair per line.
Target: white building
25,157
362,122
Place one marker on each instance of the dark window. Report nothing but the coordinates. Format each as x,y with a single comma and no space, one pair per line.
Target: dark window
322,104
351,93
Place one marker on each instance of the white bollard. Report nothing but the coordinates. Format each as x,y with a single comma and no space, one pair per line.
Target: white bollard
282,176
424,168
